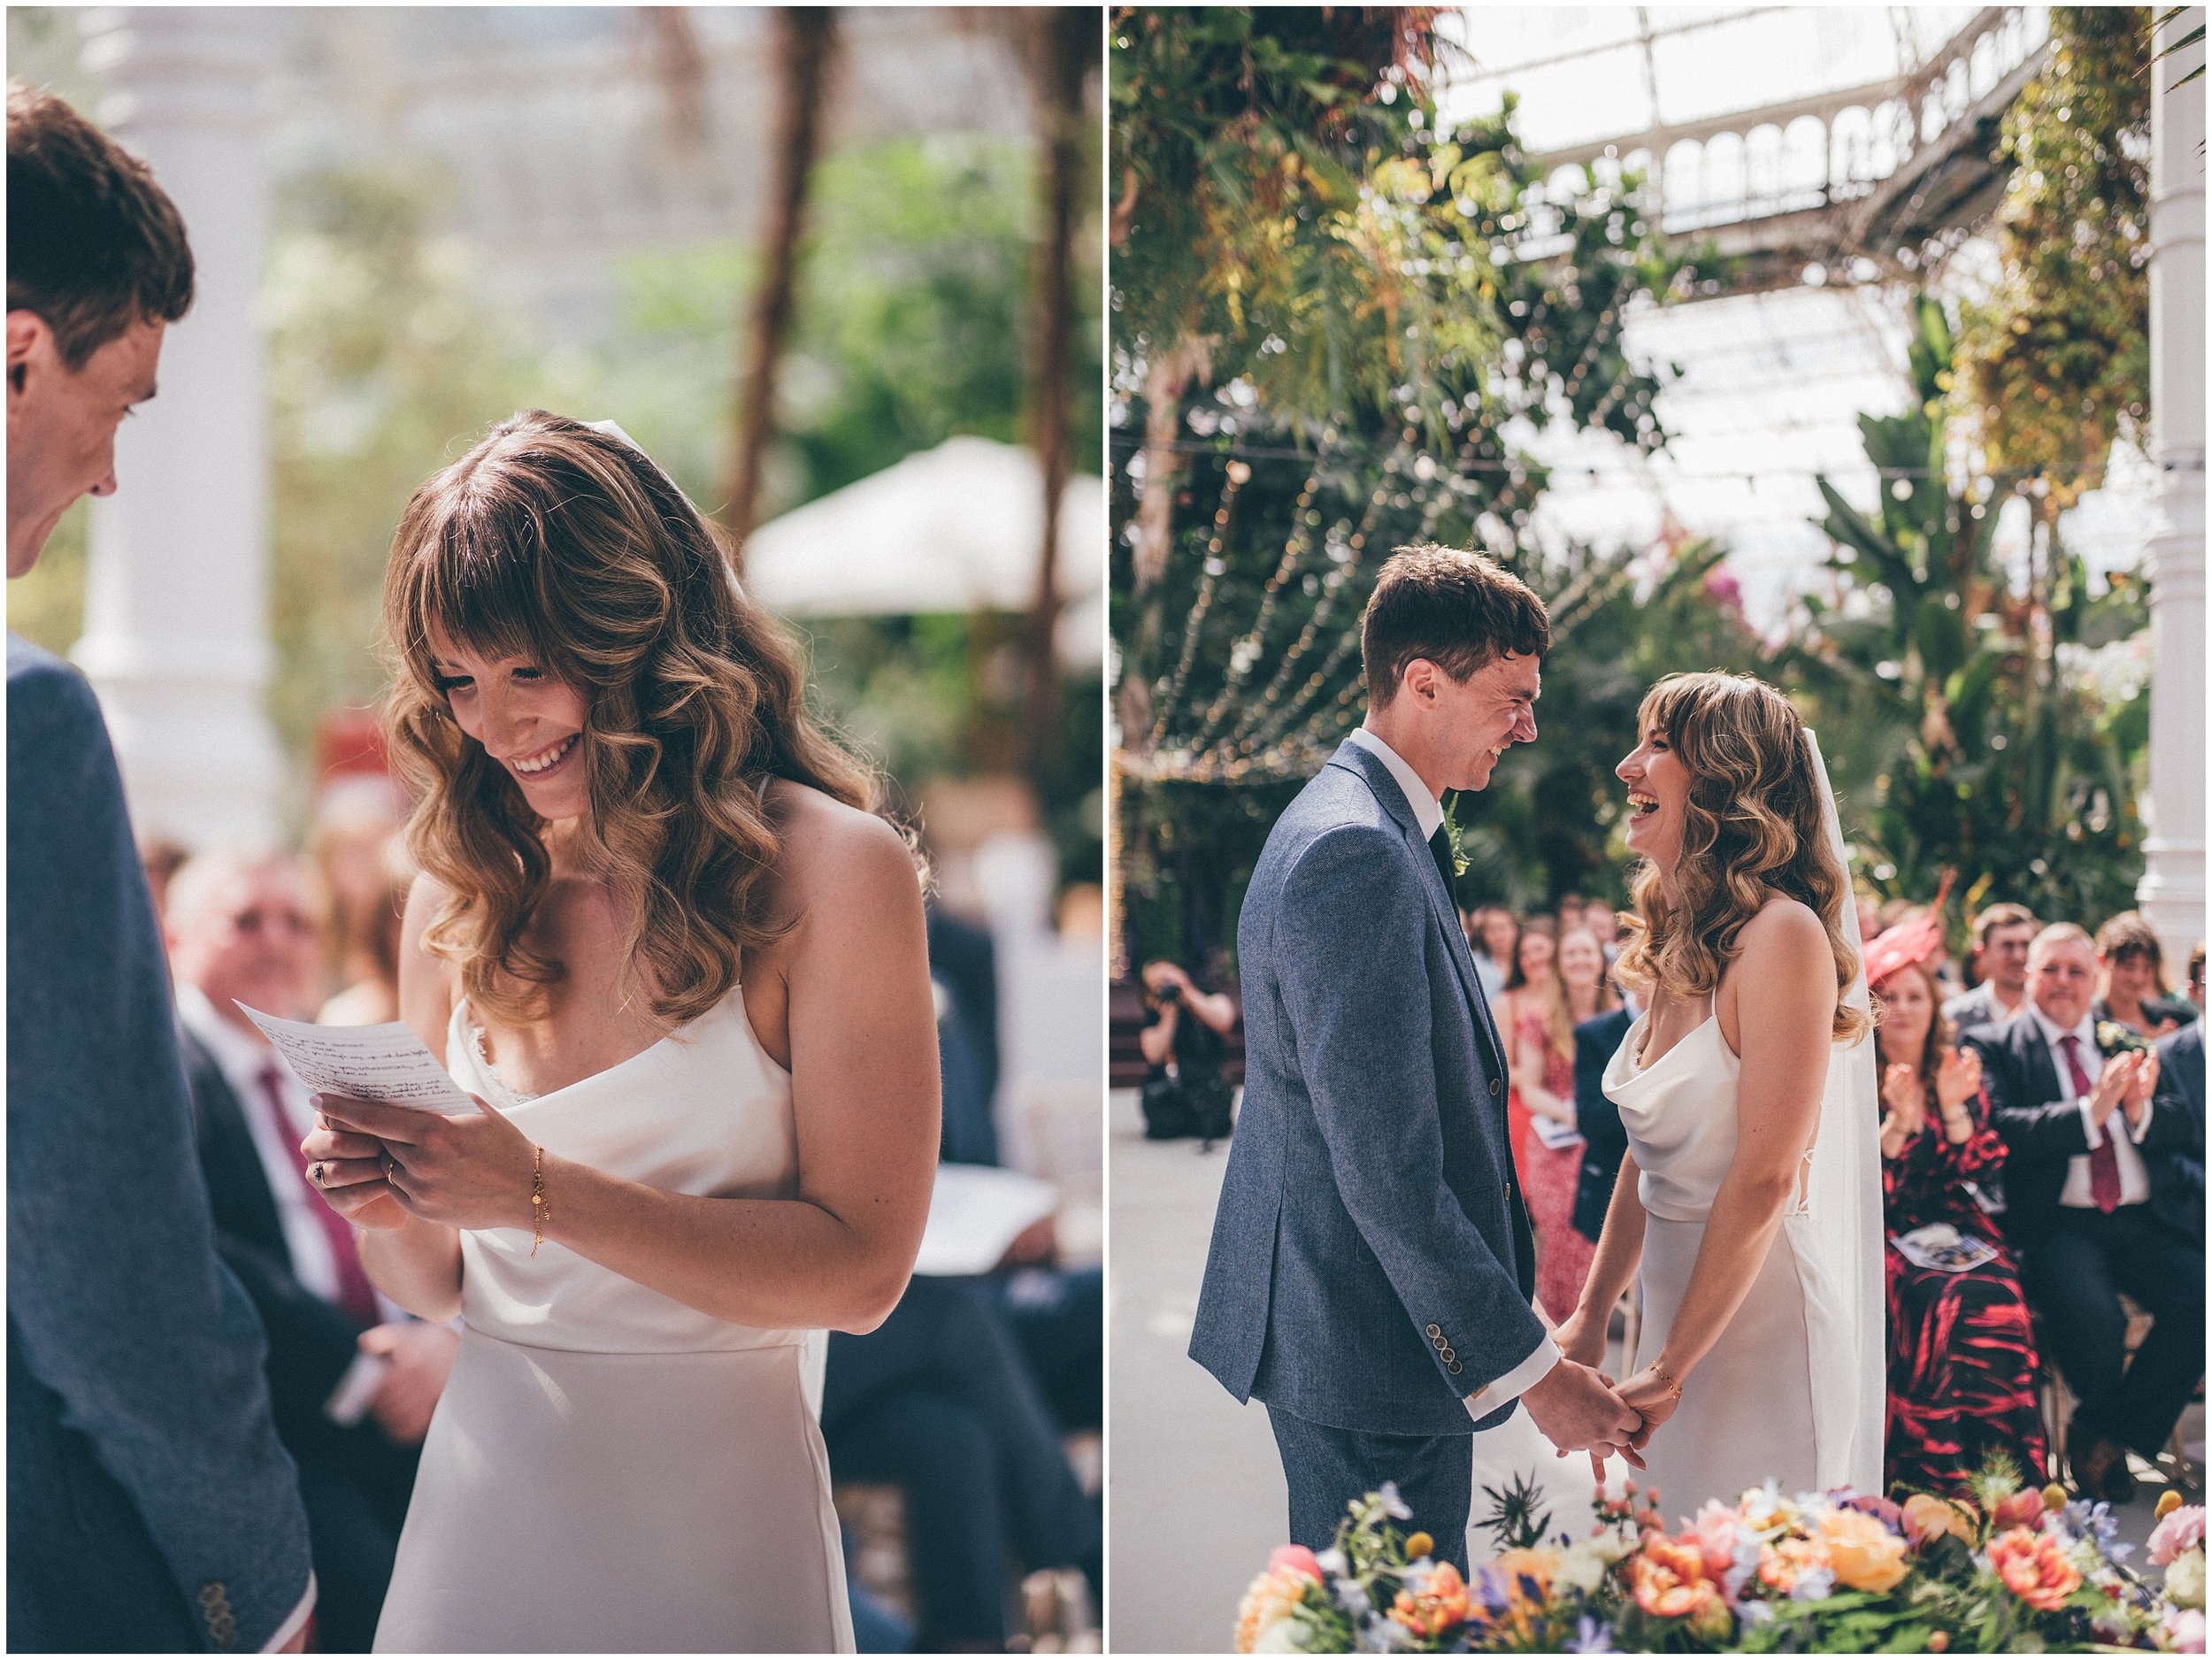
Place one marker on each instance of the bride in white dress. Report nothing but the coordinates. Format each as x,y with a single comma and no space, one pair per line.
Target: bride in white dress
683,970
1750,1197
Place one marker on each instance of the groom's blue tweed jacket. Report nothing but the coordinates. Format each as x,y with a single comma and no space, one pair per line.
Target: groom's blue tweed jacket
149,1504
1371,1261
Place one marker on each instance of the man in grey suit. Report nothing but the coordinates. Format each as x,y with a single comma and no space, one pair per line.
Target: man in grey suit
149,1504
1372,1268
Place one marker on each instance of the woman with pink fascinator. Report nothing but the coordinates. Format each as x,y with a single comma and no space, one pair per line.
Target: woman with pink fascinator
1961,1355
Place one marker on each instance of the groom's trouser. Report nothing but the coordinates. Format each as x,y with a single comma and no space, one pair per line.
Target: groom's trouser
1327,1468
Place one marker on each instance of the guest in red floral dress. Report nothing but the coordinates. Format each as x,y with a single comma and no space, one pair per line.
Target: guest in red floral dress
1962,1358
1547,1007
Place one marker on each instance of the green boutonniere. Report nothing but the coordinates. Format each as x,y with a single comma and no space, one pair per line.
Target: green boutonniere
1460,861
2114,1039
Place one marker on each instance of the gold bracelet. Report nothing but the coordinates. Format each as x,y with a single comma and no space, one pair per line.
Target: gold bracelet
541,1212
1667,1378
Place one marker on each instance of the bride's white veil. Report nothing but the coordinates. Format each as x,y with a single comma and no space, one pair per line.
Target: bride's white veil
1836,1232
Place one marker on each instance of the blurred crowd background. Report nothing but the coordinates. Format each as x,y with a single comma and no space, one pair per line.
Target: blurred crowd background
838,271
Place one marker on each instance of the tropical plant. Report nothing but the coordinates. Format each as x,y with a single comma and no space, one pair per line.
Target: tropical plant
1968,695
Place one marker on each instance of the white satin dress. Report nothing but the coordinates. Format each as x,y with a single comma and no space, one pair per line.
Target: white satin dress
610,1470
1748,1412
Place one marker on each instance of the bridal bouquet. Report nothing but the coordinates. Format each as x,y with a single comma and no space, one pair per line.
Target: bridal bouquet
2011,1569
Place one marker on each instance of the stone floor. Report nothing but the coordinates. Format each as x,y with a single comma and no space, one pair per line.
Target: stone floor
1195,1498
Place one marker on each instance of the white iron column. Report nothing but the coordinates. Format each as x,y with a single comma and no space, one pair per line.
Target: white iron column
176,598
2172,894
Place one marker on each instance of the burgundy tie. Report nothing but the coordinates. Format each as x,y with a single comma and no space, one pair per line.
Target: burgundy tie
2104,1160
356,1295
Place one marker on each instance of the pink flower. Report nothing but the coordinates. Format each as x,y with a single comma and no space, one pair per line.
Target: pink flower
2183,1631
1294,1560
2182,1529
1714,1530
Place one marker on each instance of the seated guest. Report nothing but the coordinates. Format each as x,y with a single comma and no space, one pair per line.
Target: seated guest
2001,934
2088,1184
1604,1143
353,1381
1962,1351
2131,980
938,1401
2180,1199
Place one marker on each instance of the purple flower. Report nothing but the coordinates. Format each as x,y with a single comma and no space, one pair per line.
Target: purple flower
1592,1636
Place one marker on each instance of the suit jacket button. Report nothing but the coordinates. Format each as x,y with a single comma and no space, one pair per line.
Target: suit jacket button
1454,1367
1493,1086
1450,1359
1435,1330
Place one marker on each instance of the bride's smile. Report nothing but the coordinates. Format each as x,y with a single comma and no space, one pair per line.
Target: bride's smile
1658,787
528,721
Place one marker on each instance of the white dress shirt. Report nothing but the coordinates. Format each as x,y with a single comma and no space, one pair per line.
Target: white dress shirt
1428,812
2135,1182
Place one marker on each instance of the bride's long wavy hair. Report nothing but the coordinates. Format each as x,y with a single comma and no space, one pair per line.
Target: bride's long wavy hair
1751,827
554,541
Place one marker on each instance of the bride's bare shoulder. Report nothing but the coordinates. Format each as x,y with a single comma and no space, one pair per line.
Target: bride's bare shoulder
836,854
1786,942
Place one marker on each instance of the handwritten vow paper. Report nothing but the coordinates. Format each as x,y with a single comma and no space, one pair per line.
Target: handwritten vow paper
370,1062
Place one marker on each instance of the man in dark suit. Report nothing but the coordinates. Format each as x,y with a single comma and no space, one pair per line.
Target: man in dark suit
2090,1185
150,1505
353,1382
2001,934
1604,1143
2180,1198
1372,1268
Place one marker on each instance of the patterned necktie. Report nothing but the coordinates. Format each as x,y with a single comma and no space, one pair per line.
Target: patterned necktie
356,1295
2104,1159
1441,846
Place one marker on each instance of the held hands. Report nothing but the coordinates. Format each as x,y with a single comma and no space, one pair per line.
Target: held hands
1576,1408
1580,1337
463,1170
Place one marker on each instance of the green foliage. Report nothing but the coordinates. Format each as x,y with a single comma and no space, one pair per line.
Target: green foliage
2056,360
1959,708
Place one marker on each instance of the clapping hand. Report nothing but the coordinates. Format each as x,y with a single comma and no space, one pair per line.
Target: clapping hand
2141,1086
1958,1078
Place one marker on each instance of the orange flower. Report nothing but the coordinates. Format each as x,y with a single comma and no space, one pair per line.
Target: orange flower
1781,1562
2033,1568
1926,1516
1669,1578
1273,1595
1443,1603
1865,1555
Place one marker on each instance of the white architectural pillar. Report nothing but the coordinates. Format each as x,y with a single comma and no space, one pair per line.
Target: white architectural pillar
2172,893
176,595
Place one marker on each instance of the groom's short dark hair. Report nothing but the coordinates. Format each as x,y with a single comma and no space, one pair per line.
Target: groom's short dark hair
1457,608
94,244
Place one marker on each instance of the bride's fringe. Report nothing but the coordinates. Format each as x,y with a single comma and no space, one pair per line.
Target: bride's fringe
1752,827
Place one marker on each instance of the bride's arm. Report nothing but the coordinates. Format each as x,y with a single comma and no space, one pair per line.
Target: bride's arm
1581,1336
865,1102
1785,1002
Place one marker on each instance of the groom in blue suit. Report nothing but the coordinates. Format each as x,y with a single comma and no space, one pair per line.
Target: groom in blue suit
1371,1266
149,1503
